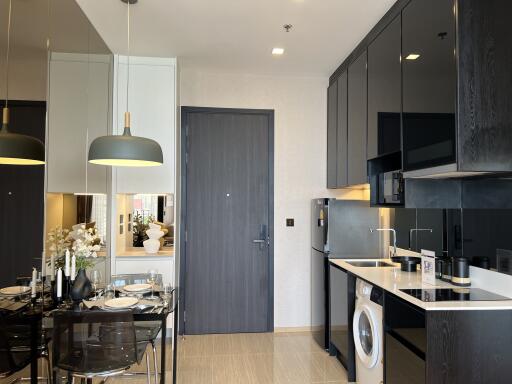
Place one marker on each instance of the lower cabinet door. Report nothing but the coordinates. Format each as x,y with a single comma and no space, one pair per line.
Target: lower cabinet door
402,365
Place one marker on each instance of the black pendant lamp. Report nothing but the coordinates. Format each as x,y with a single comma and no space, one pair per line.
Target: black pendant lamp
16,149
126,150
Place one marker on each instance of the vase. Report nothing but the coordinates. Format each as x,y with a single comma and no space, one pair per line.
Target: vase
152,245
82,287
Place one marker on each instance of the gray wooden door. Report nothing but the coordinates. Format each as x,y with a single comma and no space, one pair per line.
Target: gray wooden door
228,216
22,199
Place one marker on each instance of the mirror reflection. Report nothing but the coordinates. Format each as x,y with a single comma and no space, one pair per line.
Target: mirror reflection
143,217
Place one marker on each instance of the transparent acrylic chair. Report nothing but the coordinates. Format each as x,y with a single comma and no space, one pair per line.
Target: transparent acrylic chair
89,344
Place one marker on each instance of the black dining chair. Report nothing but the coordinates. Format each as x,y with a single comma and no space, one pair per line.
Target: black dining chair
145,330
16,353
89,344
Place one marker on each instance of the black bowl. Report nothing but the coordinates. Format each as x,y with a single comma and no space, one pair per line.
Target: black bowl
407,263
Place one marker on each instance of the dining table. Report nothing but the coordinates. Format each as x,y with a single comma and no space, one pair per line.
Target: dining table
37,314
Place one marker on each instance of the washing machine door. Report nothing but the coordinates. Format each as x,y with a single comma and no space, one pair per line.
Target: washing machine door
366,337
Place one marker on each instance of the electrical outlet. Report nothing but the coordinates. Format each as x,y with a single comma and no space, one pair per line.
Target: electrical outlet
290,222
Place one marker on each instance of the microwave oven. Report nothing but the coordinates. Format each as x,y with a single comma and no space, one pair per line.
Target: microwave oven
390,188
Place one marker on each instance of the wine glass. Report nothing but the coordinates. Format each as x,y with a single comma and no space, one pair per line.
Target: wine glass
110,291
167,294
152,276
95,281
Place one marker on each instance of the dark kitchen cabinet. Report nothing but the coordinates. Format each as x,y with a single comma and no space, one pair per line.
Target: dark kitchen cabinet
484,47
405,340
332,146
342,286
337,160
445,346
384,91
450,93
357,124
342,161
429,84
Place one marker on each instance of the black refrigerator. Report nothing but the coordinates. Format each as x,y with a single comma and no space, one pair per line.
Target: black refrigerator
339,229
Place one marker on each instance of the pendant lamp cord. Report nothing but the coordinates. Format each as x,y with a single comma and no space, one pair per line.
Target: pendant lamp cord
128,70
7,55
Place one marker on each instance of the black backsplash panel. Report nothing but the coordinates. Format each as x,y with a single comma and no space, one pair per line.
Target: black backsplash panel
487,237
469,218
484,236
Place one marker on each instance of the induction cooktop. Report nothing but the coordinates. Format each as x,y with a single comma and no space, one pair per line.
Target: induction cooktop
454,294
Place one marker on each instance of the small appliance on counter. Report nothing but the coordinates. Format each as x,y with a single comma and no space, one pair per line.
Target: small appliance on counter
439,267
460,272
446,274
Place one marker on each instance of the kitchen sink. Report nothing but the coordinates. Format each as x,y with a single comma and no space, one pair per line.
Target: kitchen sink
369,264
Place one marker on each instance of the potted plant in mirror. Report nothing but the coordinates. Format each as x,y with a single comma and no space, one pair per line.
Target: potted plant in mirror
140,226
85,248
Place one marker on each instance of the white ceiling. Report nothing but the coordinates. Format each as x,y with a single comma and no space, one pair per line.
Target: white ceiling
68,31
238,35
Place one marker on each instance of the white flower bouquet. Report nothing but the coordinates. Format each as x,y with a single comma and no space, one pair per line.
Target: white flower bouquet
58,241
86,246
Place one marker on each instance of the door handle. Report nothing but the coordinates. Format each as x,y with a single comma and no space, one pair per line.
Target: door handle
261,243
264,238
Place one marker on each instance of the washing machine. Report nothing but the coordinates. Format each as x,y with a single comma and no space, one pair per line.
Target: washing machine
368,336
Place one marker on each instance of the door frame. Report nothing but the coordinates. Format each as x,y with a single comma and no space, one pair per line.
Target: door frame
185,111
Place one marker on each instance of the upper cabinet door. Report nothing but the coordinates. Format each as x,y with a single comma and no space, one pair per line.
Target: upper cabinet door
357,113
384,91
152,103
484,48
342,176
332,95
429,84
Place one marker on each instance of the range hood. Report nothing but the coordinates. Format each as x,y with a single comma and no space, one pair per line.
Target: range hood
447,171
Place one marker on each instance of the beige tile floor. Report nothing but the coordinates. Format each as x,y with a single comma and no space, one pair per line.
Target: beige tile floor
255,358
264,358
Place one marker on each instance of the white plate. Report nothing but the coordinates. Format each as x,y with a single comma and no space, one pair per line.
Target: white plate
14,291
137,287
121,302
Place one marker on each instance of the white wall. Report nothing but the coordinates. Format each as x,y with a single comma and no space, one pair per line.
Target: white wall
300,167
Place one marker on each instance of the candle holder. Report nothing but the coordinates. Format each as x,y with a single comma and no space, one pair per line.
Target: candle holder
53,289
65,286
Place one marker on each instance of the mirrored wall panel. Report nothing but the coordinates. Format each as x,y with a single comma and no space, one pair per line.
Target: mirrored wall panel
79,110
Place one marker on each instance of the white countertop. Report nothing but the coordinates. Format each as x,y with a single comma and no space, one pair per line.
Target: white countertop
393,279
140,252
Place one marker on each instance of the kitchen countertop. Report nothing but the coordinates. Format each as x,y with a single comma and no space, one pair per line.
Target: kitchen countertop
140,252
393,279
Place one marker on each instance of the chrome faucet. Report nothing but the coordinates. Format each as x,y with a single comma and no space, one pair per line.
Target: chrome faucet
412,230
389,230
